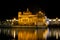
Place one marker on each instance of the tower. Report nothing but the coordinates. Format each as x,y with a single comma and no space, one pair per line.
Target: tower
19,17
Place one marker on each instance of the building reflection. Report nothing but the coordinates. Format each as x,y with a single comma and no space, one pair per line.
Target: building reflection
27,35
24,34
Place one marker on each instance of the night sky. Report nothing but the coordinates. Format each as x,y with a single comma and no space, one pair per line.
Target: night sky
10,9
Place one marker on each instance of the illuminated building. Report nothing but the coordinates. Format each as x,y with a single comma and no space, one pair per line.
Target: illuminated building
27,18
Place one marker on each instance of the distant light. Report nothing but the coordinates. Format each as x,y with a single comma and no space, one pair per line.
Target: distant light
54,19
47,22
58,19
14,18
50,20
10,20
7,20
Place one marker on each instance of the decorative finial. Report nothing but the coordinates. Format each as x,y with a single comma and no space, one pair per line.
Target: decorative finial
40,12
27,9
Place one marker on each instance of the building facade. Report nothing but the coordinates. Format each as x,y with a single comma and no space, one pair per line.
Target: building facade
27,18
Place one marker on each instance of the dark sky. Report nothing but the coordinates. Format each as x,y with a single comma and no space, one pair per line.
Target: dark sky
10,9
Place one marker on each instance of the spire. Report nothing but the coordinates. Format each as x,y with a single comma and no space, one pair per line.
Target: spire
27,12
27,9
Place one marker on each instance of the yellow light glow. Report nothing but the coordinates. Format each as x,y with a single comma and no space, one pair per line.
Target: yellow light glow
14,18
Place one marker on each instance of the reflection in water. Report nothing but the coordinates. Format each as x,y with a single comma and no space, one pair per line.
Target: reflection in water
27,34
14,33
